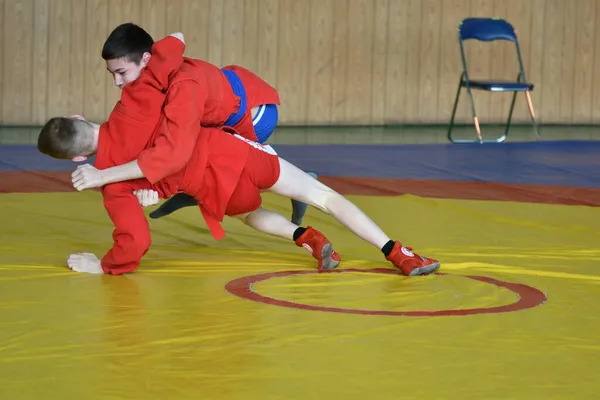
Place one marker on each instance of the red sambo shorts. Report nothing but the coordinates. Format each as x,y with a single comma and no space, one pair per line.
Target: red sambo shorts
260,172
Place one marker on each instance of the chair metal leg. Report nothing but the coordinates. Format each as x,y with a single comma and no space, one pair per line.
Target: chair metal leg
460,84
509,120
475,119
532,114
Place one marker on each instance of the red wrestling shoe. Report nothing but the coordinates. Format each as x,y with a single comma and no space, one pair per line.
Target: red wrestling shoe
411,264
321,248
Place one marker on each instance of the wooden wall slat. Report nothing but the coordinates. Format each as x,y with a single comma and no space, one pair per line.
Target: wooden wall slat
429,49
233,30
121,11
396,63
379,60
359,63
194,24
339,52
450,65
552,68
268,40
584,54
96,77
215,34
59,59
18,61
333,61
4,73
568,61
251,49
535,65
596,68
77,49
153,18
413,63
520,14
39,71
320,61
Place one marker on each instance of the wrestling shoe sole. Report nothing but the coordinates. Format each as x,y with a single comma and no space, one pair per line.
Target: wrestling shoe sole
327,262
425,270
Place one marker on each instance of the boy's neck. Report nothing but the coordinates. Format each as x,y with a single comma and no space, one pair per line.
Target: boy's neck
96,131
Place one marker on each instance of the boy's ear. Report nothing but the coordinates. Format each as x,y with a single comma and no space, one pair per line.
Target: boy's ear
145,58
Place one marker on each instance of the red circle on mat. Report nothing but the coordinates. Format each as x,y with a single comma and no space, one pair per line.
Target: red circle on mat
528,297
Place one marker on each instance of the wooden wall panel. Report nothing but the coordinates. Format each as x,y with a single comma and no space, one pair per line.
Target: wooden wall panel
96,78
595,83
17,46
378,73
320,62
584,53
39,70
4,69
396,63
333,61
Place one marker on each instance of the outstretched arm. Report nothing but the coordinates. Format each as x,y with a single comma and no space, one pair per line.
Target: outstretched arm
131,235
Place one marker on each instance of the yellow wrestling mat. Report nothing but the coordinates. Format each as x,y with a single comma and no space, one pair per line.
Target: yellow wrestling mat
181,328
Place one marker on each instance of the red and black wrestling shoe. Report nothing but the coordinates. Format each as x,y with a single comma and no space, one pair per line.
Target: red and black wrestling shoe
411,264
320,248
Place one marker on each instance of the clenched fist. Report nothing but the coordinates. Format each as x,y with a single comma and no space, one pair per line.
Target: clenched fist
146,197
87,177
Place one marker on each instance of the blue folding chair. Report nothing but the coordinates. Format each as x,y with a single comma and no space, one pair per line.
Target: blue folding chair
489,30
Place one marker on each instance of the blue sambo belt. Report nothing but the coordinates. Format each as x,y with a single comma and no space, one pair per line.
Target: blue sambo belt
238,90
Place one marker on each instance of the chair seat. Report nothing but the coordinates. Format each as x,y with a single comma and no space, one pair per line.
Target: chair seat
500,86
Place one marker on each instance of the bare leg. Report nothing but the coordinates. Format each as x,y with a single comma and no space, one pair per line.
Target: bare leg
269,222
274,224
299,208
296,184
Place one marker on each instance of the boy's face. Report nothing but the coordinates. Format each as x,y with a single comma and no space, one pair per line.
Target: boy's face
124,71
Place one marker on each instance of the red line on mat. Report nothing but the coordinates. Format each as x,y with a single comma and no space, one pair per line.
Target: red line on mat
529,297
39,181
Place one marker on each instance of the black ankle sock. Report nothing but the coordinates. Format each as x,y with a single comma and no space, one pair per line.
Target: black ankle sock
180,200
387,248
298,232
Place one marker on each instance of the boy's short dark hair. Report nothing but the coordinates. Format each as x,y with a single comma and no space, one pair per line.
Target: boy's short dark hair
58,138
127,40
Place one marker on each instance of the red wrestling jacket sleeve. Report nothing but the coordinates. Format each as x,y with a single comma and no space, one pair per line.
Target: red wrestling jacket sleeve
177,133
131,235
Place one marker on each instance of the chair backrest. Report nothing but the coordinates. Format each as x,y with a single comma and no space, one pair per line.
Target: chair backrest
486,29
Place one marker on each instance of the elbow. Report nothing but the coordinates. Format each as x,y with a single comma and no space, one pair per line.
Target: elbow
145,241
140,245
125,258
